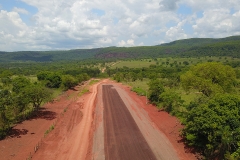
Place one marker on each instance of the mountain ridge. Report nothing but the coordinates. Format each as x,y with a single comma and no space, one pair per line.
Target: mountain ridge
228,46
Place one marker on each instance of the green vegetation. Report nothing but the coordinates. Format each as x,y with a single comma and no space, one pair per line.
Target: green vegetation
49,130
202,95
195,47
69,81
93,81
134,63
85,90
209,78
196,80
139,91
22,94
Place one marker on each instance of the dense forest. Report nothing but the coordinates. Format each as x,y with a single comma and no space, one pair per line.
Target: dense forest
196,80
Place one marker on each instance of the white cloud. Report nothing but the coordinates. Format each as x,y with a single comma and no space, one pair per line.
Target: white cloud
121,43
175,33
130,42
20,10
217,23
60,24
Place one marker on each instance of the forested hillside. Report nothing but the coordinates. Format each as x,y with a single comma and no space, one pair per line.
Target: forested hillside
182,48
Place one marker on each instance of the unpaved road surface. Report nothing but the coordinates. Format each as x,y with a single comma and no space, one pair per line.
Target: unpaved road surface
122,137
73,143
128,131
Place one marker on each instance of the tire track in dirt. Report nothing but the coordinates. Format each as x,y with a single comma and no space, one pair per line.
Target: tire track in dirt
54,144
70,139
80,138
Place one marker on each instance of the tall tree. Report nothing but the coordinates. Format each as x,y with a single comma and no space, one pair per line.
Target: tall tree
209,78
38,94
69,81
155,89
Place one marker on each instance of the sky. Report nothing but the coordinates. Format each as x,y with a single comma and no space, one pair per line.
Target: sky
74,24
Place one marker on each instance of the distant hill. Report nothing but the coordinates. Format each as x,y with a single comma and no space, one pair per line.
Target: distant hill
200,41
48,56
229,46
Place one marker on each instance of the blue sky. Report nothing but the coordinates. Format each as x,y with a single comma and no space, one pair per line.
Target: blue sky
11,5
60,24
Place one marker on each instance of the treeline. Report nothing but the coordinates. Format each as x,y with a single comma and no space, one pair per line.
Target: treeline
212,119
32,68
21,96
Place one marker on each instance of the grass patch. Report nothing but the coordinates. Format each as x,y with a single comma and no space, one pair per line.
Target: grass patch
49,130
134,63
57,92
139,91
85,90
188,96
93,81
33,78
140,87
139,84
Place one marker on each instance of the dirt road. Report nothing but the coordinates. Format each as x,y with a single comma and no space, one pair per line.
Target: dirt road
127,129
122,137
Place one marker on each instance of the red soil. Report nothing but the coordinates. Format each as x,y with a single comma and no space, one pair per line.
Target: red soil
167,124
26,135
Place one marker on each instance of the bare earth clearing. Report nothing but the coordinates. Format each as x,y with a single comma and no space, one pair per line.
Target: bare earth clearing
79,130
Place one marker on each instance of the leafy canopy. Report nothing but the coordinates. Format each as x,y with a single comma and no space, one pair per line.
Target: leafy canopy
155,89
214,125
209,78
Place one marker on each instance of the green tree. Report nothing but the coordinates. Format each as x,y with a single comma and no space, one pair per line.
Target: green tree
214,126
170,100
209,78
19,83
5,102
6,81
20,102
38,94
69,81
118,76
54,80
185,63
43,75
155,89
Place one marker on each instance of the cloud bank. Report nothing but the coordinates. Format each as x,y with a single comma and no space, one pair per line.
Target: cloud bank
59,24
